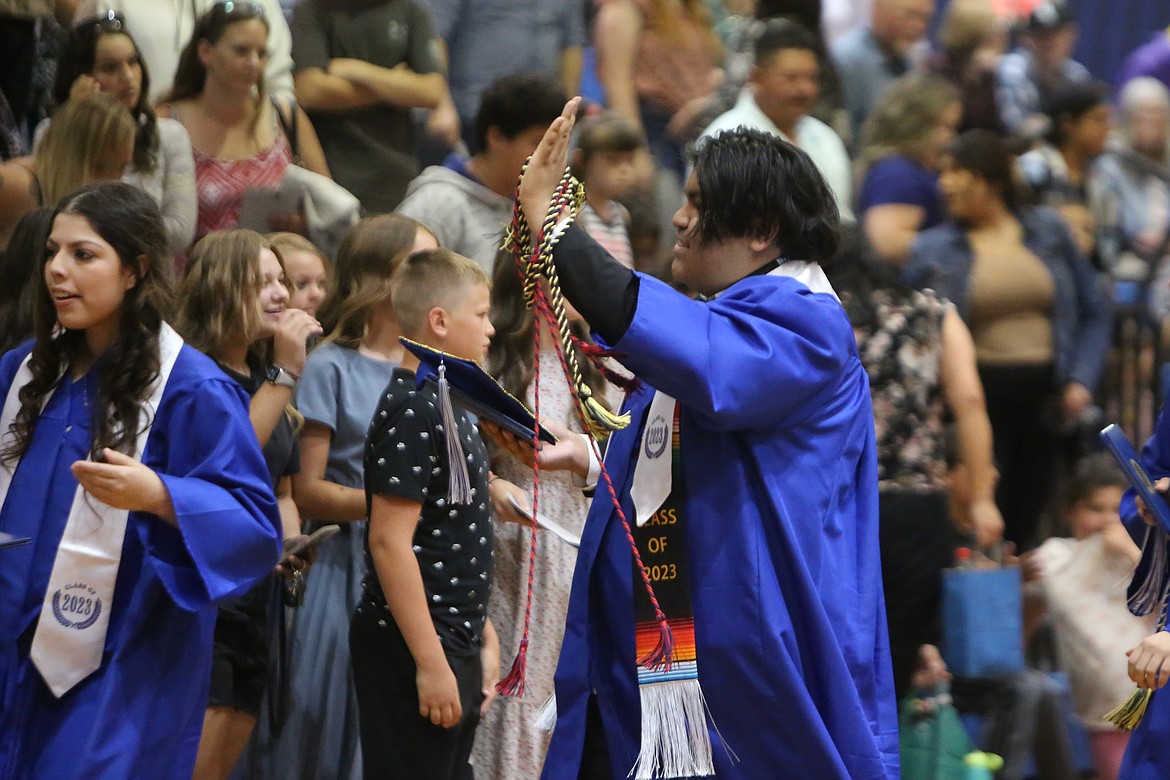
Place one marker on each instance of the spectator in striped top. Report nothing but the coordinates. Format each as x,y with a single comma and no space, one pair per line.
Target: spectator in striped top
605,161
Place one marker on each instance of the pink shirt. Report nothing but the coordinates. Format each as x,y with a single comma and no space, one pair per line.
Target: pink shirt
221,184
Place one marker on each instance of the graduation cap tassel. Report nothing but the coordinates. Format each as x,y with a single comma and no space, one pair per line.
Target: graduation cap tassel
459,481
1130,714
1127,716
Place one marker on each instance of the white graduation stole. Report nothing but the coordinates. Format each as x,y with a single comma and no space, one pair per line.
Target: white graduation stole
652,479
652,475
71,630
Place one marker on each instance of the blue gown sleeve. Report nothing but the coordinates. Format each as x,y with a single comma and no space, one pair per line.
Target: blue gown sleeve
766,351
228,534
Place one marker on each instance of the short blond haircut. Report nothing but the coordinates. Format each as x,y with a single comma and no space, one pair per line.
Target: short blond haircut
430,278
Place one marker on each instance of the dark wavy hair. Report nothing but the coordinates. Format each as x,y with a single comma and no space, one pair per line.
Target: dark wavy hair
511,356
20,263
1069,104
129,221
516,103
78,57
806,13
756,185
991,157
1092,473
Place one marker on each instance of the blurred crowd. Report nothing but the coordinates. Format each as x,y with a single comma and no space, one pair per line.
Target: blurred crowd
1007,215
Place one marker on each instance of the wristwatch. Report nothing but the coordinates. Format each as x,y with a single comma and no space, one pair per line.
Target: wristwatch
281,377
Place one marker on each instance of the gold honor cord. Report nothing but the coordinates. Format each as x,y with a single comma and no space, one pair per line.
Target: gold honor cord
535,260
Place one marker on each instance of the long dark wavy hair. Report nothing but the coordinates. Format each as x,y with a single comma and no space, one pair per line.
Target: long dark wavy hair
511,356
78,57
128,220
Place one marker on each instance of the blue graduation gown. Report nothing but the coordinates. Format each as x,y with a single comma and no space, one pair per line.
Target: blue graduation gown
1147,756
781,528
140,715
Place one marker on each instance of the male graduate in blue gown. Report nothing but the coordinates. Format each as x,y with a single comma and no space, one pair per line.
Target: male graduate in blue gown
775,487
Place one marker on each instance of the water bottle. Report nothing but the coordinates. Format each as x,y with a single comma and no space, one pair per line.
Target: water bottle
981,766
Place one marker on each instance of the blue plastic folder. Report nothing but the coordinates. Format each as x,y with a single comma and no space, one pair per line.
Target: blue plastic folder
8,540
1123,452
982,621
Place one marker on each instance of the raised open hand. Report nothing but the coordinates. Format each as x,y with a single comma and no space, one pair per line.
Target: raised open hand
547,165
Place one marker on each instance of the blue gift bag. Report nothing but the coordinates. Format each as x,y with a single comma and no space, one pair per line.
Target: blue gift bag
982,621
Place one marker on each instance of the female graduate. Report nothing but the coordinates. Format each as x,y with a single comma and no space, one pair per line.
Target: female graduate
129,463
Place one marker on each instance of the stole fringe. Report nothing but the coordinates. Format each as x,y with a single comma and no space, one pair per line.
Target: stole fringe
675,739
546,716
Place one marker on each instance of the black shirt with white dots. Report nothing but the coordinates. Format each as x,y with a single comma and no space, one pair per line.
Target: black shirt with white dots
406,457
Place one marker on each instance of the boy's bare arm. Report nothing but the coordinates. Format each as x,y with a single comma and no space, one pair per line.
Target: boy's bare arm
392,524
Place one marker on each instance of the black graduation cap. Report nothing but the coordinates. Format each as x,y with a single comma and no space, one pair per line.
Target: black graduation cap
476,390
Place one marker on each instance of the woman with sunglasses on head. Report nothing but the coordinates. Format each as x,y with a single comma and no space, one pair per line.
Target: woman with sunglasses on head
99,56
128,461
162,28
236,133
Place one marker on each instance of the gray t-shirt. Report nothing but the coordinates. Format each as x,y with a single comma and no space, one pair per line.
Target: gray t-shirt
487,39
339,389
370,151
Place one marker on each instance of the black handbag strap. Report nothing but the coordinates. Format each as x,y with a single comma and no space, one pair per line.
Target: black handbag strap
288,125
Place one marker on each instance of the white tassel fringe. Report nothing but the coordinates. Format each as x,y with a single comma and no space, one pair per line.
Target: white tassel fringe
546,716
458,480
675,739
